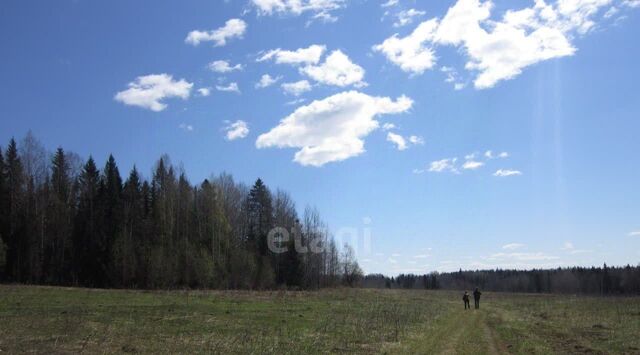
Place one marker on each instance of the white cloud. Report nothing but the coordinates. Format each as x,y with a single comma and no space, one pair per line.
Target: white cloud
417,140
267,80
232,87
401,142
233,28
472,165
295,102
237,130
523,256
387,126
321,8
411,53
611,12
204,91
512,246
309,55
223,66
150,90
507,172
503,155
296,88
331,129
337,70
398,140
496,49
186,127
634,234
390,3
421,256
443,165
453,78
567,246
405,17
631,3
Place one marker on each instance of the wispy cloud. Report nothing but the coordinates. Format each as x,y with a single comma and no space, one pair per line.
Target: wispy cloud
506,172
513,246
232,87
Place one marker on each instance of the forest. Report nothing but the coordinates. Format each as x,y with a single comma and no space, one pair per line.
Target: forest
65,221
603,280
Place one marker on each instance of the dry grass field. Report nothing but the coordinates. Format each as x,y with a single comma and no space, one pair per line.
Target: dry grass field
74,320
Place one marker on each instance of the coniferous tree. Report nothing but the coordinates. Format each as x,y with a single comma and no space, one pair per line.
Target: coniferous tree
3,218
111,198
58,251
87,244
260,222
14,223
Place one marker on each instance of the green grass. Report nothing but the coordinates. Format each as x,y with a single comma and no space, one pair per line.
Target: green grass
63,320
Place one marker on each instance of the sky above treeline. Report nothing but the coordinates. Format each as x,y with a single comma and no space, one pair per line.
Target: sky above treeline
431,135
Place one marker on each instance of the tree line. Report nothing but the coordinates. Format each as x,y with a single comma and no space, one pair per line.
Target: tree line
605,280
65,221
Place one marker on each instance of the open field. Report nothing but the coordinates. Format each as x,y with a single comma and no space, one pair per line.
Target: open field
64,320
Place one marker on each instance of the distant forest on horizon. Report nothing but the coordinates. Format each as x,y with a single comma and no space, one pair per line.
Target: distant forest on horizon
64,221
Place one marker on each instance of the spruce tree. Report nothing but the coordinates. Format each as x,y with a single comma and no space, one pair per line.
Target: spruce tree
87,243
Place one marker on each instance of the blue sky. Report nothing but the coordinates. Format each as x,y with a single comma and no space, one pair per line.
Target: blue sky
380,113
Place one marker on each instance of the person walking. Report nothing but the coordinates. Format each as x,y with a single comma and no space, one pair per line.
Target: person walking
476,297
465,298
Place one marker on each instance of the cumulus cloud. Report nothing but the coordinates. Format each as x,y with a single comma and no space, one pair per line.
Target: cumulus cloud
405,17
236,130
634,234
398,140
267,80
232,87
332,129
149,91
496,49
309,55
337,70
506,172
223,66
204,91
296,88
412,53
233,28
401,142
387,126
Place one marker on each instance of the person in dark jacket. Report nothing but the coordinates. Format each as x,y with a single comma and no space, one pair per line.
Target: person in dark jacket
465,298
476,297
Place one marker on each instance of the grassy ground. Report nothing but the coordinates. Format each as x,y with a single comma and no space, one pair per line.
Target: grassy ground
65,320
